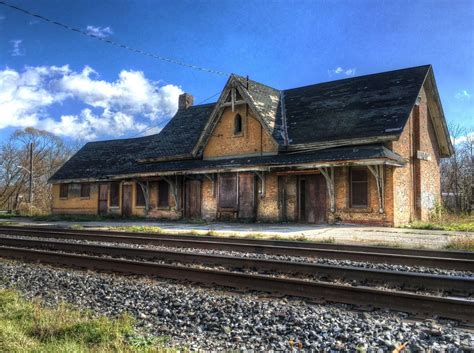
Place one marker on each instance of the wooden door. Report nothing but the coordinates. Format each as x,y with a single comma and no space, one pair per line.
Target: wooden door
192,199
312,199
103,198
246,188
127,200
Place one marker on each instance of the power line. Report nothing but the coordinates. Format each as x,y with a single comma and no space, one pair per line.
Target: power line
153,126
114,43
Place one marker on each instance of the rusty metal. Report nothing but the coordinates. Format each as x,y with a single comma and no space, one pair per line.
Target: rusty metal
463,264
420,305
413,281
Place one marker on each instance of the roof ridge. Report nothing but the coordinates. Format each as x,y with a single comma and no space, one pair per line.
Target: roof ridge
358,77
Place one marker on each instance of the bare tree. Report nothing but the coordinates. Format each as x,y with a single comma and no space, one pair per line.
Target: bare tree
49,153
457,171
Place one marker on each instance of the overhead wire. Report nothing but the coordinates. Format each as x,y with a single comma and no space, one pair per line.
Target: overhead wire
114,43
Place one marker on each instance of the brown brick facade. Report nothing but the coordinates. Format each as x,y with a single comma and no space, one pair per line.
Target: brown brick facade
410,192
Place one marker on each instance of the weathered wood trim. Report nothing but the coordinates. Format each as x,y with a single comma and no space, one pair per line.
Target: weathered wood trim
267,168
261,176
296,148
232,84
437,115
328,173
146,193
378,173
212,178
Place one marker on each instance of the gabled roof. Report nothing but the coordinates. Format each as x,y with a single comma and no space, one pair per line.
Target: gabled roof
355,111
366,107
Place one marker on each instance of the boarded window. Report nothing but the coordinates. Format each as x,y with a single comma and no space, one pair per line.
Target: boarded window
114,194
85,190
228,191
63,191
163,194
139,196
359,187
237,125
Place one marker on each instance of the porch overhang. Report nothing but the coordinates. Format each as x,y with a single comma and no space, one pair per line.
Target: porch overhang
370,155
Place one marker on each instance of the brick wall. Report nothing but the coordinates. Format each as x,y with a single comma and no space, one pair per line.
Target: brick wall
74,204
253,140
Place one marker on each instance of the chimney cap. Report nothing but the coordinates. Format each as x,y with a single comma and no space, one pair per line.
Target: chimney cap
185,101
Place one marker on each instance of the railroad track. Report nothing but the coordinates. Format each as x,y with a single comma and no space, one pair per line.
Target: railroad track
453,260
419,305
463,286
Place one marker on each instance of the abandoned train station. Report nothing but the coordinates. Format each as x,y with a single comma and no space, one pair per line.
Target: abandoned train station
361,150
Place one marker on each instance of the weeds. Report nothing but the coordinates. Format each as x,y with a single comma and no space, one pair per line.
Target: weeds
461,243
29,327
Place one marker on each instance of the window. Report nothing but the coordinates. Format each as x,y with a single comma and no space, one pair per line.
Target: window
63,191
163,192
238,125
140,196
114,194
359,187
85,190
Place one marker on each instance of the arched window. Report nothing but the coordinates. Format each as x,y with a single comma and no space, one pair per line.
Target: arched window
237,125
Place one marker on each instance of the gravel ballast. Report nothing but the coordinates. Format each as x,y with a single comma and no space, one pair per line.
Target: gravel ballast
205,318
300,259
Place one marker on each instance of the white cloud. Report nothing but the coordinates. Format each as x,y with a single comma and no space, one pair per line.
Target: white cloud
101,32
462,139
463,95
109,108
17,47
341,71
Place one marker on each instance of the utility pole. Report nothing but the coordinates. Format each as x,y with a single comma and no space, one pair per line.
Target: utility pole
30,151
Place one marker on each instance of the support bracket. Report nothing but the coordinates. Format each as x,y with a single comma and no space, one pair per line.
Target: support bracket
174,189
377,172
328,173
261,176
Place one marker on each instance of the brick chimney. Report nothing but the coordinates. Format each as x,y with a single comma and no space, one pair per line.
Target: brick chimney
185,101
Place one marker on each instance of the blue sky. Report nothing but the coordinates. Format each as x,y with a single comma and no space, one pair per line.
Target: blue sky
83,89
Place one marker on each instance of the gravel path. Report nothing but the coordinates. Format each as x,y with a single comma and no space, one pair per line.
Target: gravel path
324,261
205,318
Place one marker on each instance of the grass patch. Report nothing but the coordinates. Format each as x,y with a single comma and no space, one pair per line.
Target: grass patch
139,229
7,215
461,243
26,326
76,226
460,223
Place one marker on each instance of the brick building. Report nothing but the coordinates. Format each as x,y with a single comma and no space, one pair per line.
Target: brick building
365,149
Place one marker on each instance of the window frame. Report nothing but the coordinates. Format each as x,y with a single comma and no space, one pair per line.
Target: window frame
112,199
351,187
139,190
239,118
64,191
85,186
160,197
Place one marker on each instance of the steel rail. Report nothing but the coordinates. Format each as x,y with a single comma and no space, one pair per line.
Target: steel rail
419,305
406,280
280,243
171,241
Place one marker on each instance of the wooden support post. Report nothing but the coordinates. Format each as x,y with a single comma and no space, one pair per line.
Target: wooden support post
232,93
261,176
377,172
174,189
328,173
146,194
